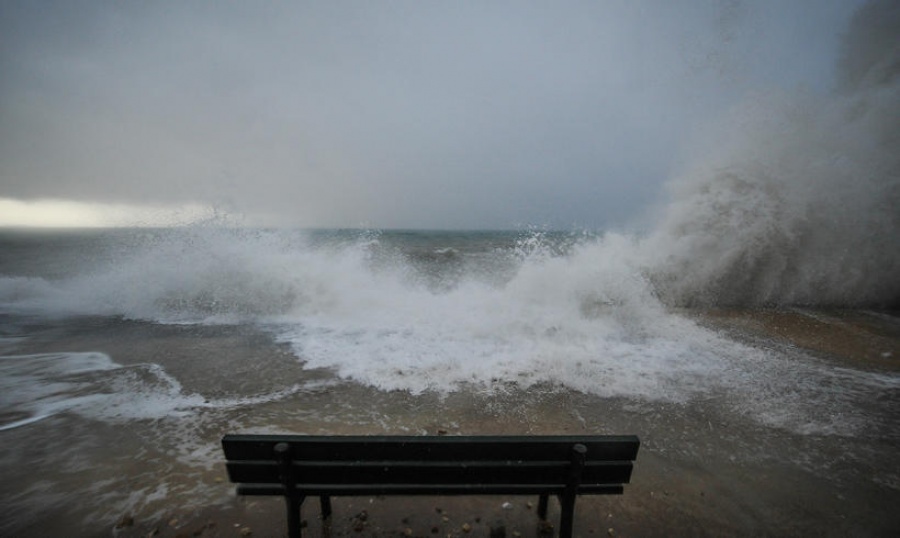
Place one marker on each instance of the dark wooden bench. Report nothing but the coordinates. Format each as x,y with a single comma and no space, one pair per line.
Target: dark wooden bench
298,466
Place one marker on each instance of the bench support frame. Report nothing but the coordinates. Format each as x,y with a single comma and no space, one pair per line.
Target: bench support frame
251,462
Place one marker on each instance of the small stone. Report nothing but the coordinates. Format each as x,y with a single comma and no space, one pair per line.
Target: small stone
507,506
611,531
407,531
529,505
442,432
173,522
516,534
445,519
545,528
245,531
466,527
358,522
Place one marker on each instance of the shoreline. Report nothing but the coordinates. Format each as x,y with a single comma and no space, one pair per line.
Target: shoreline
703,470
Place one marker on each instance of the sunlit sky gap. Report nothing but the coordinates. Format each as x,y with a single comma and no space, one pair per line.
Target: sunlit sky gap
68,214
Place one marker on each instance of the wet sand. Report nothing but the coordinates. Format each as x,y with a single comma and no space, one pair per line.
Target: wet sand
702,471
862,339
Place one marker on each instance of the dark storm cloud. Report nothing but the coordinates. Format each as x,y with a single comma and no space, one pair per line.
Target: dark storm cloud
386,114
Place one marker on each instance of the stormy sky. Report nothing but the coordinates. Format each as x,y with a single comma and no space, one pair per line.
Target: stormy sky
381,114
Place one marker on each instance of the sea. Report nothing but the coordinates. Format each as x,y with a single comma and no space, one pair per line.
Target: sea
125,355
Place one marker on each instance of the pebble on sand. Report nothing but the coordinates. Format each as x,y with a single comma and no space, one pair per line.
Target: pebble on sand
126,521
545,528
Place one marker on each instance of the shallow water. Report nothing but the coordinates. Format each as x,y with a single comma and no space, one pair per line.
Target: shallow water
132,416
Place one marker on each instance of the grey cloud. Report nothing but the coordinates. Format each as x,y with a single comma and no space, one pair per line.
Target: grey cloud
390,114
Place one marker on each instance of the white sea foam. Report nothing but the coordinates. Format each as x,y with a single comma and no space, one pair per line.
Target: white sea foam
89,384
589,319
92,385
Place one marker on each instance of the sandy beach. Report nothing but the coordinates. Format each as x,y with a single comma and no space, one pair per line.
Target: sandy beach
703,469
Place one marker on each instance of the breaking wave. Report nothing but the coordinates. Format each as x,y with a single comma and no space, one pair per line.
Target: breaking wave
791,200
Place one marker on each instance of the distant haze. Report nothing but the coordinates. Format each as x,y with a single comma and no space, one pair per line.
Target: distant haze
383,114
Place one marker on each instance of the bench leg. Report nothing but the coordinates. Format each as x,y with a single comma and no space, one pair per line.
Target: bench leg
293,515
542,506
325,502
567,515
567,499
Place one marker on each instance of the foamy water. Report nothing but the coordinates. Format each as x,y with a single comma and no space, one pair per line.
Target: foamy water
88,384
579,313
791,200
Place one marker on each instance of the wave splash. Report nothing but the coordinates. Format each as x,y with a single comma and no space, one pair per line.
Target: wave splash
526,310
793,198
799,206
792,201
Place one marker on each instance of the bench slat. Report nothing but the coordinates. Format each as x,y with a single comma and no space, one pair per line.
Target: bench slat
446,448
429,472
313,490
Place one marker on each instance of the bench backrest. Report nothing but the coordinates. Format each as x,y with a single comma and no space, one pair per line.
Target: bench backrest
437,464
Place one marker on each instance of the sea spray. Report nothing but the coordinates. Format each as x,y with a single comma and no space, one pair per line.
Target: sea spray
797,204
793,197
579,313
791,201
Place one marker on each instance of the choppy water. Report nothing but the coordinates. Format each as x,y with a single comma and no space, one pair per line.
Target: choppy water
126,354
413,311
